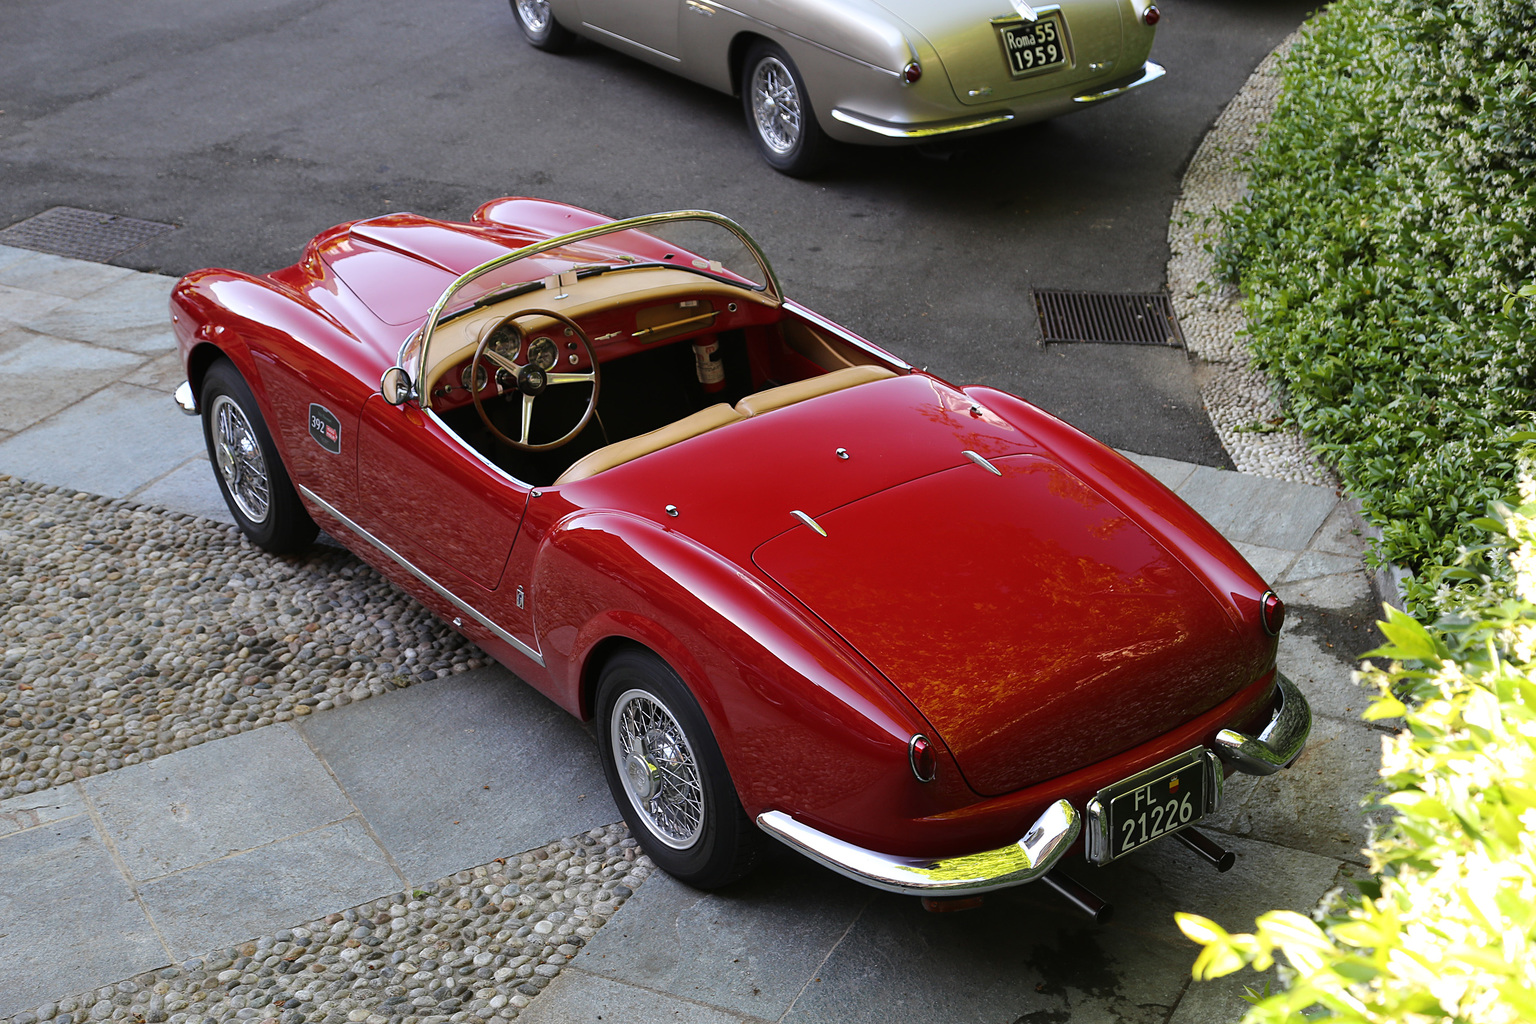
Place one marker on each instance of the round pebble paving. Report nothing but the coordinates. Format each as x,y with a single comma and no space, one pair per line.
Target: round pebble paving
129,632
1240,400
475,948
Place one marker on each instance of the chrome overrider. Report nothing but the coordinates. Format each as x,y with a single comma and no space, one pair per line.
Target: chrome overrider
185,400
1043,845
1279,743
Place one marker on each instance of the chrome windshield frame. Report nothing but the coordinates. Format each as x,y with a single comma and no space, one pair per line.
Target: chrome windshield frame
770,287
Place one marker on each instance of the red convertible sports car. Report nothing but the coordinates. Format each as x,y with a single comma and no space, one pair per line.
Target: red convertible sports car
932,637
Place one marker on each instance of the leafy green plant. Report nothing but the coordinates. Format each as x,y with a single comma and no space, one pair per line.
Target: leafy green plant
1447,930
1386,253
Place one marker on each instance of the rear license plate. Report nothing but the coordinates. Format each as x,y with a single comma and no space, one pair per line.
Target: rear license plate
1034,45
1151,804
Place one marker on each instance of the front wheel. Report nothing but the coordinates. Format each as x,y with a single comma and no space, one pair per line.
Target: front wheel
778,110
246,464
540,27
667,774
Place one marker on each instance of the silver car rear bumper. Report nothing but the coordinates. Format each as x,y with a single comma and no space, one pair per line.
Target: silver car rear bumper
1151,71
184,400
1042,846
918,132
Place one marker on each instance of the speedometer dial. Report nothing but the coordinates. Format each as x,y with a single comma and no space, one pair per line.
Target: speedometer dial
505,340
543,352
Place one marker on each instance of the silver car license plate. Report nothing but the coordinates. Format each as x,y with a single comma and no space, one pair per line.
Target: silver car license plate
1133,812
1033,46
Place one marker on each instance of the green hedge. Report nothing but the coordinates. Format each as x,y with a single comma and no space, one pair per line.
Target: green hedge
1448,930
1391,220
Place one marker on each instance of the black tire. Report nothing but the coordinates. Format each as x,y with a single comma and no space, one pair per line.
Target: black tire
540,27
779,114
692,825
246,464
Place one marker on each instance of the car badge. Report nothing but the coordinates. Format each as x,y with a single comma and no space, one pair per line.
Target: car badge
1173,785
325,428
1026,11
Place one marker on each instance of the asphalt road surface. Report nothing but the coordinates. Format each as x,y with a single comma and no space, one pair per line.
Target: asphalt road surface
252,125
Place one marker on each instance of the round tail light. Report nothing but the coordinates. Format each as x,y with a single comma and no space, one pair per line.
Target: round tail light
1151,16
925,764
1271,612
911,73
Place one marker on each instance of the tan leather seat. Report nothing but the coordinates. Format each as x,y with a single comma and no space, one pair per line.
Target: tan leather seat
811,387
620,452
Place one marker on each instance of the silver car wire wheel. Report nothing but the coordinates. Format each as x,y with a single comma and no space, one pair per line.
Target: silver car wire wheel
658,768
776,105
535,14
240,461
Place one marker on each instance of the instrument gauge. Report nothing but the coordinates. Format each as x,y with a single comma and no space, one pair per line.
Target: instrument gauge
543,353
481,377
505,340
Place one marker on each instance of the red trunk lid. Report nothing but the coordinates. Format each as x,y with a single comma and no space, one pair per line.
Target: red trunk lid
1036,627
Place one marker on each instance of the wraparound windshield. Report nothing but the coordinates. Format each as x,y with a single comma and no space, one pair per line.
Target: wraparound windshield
692,240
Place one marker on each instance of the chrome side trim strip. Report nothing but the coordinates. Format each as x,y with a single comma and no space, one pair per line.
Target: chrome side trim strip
588,26
897,131
500,634
1151,71
1042,846
184,400
1281,741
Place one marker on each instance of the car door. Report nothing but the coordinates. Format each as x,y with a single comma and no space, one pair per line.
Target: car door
650,25
446,515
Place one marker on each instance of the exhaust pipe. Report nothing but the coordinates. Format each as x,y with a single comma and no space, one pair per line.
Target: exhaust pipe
1206,847
1079,895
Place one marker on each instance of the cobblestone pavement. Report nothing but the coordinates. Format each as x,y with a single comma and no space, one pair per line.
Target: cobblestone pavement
129,632
474,947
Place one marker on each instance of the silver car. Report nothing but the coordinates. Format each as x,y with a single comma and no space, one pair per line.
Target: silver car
882,73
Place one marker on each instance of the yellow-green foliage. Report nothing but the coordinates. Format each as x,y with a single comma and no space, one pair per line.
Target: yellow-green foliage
1448,930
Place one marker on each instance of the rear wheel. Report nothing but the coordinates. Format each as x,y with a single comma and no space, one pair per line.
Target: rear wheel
779,112
245,462
667,774
540,27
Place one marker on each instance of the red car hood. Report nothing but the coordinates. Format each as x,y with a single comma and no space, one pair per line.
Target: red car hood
1036,627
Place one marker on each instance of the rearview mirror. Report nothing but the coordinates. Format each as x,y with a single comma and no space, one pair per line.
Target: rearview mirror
395,385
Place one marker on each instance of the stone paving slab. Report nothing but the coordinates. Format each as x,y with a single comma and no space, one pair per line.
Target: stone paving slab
213,800
259,891
68,919
112,442
54,373
798,943
462,770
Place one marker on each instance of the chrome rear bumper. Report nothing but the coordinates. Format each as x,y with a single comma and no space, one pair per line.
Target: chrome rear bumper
1025,861
1151,71
1278,744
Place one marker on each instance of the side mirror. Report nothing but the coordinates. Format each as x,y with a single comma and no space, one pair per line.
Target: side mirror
395,386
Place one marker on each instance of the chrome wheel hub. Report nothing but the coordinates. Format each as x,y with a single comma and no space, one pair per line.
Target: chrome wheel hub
239,458
535,14
776,105
660,774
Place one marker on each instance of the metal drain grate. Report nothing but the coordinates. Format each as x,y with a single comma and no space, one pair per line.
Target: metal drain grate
1111,317
82,234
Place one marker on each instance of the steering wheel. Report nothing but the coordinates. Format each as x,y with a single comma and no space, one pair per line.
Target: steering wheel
532,379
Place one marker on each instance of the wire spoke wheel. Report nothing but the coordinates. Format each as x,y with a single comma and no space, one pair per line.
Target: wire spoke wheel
240,460
776,105
658,768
